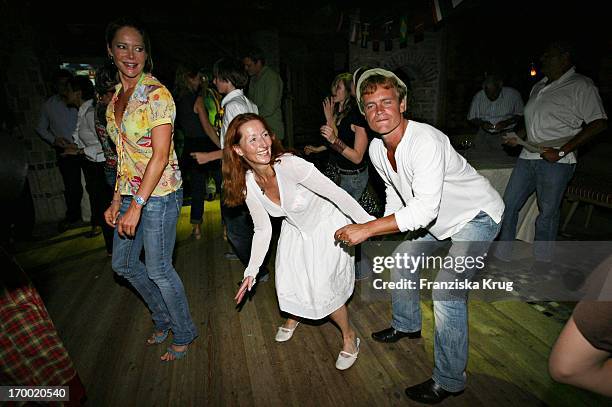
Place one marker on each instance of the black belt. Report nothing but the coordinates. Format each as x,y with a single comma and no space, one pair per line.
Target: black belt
352,172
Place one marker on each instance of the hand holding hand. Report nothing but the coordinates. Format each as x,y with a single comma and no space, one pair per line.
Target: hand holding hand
247,285
352,235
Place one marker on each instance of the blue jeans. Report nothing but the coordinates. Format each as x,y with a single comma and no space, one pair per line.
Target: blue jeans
549,181
354,184
451,319
157,282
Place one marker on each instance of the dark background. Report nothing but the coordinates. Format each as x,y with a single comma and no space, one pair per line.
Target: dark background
481,35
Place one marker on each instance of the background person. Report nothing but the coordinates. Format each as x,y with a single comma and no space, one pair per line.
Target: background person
87,146
56,125
230,79
106,80
494,110
344,130
200,136
265,90
564,111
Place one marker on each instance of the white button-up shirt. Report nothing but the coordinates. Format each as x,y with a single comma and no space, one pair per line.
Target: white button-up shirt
434,187
233,104
85,135
56,120
508,104
558,109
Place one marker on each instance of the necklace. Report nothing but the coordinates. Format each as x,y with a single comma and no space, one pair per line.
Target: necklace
261,187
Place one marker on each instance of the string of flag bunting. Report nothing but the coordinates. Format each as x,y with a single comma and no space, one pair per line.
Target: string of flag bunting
383,33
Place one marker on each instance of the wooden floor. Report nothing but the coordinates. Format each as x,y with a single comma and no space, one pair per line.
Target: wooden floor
236,362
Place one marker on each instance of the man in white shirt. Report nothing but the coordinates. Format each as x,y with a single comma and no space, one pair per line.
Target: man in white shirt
432,189
558,106
494,110
229,82
230,78
87,147
56,126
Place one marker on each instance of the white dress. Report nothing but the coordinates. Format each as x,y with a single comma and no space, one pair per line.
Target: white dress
314,273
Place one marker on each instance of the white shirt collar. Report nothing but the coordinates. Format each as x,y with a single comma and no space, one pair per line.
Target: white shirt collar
84,106
233,94
562,78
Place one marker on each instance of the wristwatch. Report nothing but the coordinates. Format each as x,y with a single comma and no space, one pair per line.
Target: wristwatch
140,200
561,153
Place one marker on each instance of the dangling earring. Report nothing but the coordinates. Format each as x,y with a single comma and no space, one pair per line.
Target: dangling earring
112,60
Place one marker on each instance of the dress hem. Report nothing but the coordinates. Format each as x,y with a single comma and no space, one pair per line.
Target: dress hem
298,310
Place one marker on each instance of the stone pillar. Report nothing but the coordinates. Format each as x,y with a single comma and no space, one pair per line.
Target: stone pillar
420,62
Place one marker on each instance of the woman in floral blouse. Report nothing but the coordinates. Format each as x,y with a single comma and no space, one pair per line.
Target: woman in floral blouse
148,194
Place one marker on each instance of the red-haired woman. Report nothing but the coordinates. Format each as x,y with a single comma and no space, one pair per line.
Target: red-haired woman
314,273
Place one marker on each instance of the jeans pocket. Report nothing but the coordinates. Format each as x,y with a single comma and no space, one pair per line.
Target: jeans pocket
178,199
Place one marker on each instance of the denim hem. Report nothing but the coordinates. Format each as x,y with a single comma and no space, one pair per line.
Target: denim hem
186,343
403,329
446,386
164,328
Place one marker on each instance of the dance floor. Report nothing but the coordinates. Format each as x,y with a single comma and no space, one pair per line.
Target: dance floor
235,360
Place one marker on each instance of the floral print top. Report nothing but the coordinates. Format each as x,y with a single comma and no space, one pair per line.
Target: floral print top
150,105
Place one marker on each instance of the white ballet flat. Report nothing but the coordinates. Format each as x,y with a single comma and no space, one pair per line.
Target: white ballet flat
345,359
284,334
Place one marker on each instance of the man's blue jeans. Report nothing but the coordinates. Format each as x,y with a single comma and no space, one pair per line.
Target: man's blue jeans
451,319
549,181
157,282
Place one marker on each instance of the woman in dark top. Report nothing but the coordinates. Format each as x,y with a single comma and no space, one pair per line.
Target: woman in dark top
192,119
106,80
346,138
